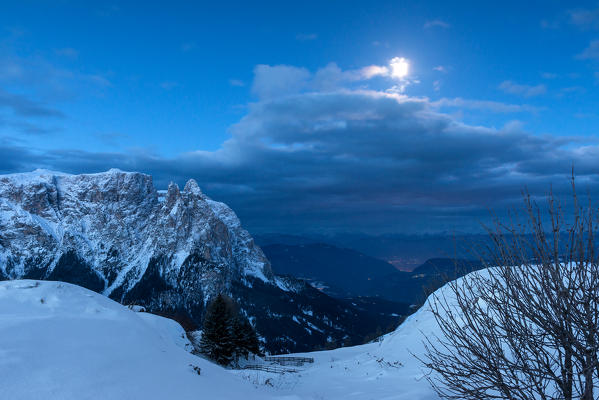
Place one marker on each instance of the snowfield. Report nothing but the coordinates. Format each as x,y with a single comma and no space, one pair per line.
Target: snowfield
384,370
61,341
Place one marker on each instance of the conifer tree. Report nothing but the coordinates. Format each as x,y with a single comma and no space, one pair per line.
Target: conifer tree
218,341
246,340
252,345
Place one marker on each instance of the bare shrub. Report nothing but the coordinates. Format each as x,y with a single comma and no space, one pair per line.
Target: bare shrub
527,327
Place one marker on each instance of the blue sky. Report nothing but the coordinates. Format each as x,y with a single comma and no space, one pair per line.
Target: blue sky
291,108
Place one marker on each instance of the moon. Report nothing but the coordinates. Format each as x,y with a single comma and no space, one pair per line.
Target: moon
399,67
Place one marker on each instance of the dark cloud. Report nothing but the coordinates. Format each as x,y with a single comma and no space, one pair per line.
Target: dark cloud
23,106
354,160
34,75
25,115
32,90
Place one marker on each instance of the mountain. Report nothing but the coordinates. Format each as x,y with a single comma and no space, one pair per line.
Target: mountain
346,273
404,251
170,251
446,267
414,287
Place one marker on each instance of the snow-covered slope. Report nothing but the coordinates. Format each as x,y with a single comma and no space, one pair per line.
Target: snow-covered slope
170,251
61,341
384,370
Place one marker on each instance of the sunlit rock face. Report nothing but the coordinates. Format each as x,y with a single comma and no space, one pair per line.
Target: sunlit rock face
170,251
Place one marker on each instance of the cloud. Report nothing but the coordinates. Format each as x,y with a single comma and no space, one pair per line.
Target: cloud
33,89
374,70
67,52
585,18
343,157
549,75
351,159
522,90
169,85
378,43
188,46
236,82
436,23
487,105
283,80
24,107
550,24
35,73
302,37
440,68
273,81
591,52
26,126
111,138
573,90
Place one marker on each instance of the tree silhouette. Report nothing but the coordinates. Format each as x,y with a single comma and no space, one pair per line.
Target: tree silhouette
526,328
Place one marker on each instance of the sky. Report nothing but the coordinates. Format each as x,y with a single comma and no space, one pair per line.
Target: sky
320,116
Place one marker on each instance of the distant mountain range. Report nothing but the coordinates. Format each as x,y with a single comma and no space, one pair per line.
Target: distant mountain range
342,272
405,252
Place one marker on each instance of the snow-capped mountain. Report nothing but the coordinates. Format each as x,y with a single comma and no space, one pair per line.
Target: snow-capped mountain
170,251
115,226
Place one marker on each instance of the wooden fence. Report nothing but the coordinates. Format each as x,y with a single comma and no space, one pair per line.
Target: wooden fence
297,361
268,368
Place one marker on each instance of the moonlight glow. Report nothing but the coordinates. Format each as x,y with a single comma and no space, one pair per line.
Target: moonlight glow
399,67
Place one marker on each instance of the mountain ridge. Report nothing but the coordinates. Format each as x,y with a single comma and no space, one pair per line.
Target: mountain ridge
170,251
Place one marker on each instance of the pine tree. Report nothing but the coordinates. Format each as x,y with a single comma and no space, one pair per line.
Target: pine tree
218,342
252,344
245,338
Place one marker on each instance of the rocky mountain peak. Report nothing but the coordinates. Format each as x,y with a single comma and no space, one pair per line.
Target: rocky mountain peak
192,187
115,224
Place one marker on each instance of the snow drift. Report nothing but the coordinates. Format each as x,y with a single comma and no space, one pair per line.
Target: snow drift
60,341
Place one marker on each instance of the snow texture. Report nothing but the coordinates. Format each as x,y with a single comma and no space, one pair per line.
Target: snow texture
61,341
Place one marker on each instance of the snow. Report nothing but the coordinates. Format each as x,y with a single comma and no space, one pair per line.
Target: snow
60,341
38,175
385,370
168,330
